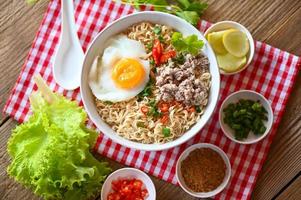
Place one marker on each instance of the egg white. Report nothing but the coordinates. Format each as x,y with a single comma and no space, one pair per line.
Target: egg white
100,76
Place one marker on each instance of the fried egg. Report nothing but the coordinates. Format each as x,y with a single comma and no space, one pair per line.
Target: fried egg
120,73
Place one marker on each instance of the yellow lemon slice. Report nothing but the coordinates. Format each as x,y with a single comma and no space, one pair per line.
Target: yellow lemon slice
236,43
215,39
230,63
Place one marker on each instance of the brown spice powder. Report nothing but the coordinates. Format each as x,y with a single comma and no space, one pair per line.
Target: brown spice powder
203,170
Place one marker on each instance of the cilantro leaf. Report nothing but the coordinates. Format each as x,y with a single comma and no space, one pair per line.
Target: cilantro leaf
190,16
159,5
193,44
184,3
190,44
177,41
197,7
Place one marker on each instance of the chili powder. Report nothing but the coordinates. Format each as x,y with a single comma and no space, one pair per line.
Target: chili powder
203,170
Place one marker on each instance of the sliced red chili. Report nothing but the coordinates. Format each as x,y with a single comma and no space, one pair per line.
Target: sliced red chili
176,103
128,189
157,51
156,56
144,193
191,109
114,196
164,107
137,184
158,46
144,109
164,119
165,56
116,185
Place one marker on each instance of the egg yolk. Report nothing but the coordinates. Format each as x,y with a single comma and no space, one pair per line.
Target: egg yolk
128,73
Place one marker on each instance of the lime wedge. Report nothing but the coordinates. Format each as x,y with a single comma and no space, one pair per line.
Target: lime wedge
236,43
215,39
230,63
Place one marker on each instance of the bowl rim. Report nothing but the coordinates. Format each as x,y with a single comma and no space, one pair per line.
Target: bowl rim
224,157
126,169
150,147
270,117
249,36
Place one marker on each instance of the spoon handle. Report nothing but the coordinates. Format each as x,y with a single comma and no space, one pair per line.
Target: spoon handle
68,22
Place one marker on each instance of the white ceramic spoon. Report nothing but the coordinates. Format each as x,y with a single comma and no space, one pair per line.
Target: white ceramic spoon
69,55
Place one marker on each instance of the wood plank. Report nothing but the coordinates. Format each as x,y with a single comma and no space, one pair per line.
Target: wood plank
276,22
288,36
293,192
10,189
283,161
18,25
262,18
164,190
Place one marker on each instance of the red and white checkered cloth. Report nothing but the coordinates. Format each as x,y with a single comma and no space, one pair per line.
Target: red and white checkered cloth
272,73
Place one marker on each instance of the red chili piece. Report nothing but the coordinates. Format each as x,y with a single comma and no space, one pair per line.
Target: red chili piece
144,109
164,119
128,190
165,56
157,51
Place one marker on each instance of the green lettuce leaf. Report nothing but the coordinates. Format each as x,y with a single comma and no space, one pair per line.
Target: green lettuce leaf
51,151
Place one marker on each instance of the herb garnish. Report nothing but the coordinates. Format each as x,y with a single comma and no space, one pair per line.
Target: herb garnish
157,30
190,44
189,10
149,46
154,111
152,62
179,59
147,91
152,102
166,131
245,116
161,39
198,109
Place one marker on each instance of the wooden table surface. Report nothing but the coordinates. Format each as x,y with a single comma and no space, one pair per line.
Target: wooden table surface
276,22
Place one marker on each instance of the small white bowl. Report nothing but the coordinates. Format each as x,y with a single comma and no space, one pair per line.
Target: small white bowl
251,95
128,173
223,25
203,194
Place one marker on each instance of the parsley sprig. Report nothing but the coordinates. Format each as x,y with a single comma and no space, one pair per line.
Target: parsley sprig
189,10
190,44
